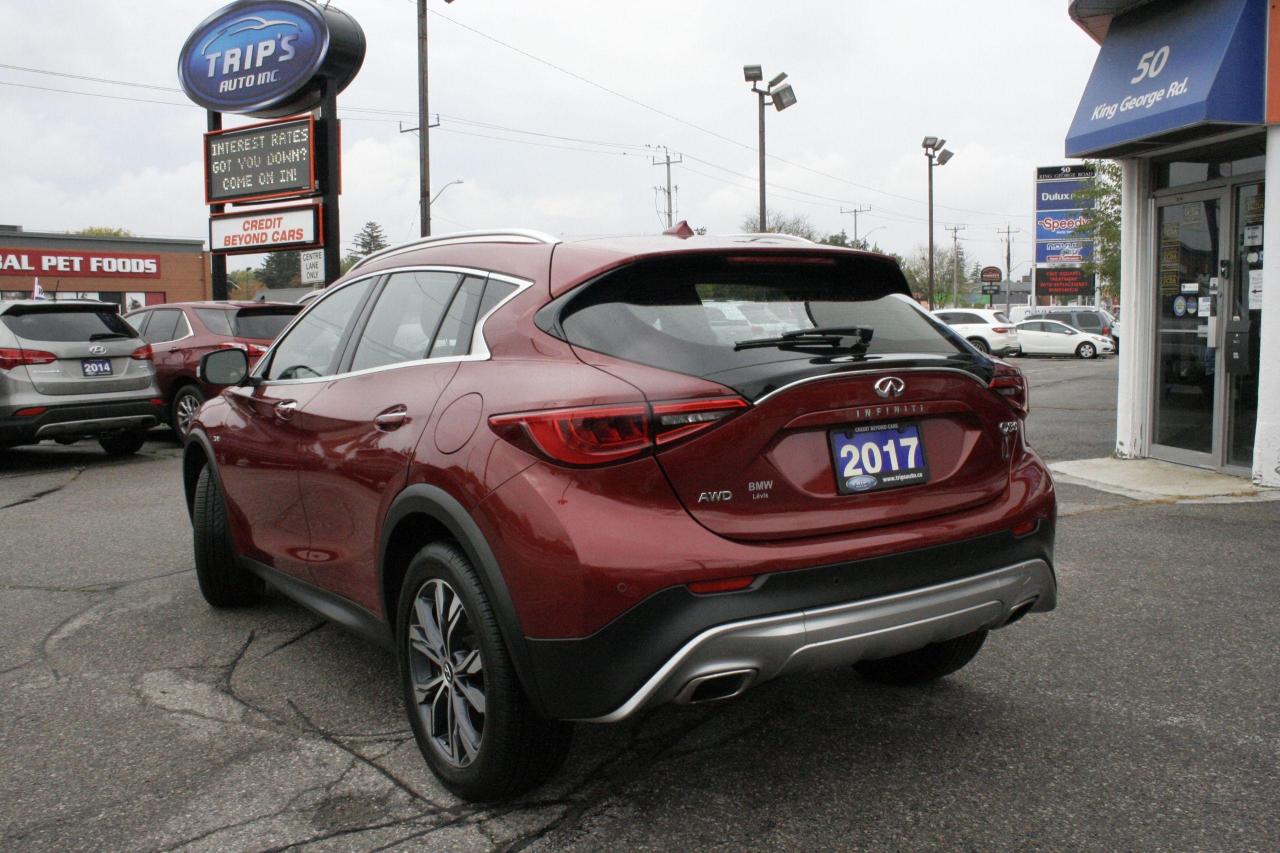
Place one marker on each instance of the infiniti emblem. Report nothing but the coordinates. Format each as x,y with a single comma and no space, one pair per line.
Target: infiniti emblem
890,386
97,349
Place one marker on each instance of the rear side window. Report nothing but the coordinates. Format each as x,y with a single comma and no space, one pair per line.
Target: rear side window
215,320
1060,316
262,324
402,324
66,325
1089,321
454,337
687,315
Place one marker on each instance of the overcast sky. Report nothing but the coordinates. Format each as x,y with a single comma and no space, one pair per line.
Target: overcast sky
999,80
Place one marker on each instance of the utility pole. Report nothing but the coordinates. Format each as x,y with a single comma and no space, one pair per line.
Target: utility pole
955,263
667,161
1008,262
424,123
855,213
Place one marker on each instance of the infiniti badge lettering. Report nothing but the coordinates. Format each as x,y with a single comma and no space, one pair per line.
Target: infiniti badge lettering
889,386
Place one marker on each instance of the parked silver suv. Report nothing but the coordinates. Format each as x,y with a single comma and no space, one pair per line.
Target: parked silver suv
72,370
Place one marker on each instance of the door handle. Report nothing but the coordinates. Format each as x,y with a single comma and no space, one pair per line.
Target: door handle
393,418
285,409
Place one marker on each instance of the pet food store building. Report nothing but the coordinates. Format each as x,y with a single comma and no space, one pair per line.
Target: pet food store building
129,271
1185,94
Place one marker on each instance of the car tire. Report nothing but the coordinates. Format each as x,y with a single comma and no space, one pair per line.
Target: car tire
186,402
981,345
499,746
223,582
125,444
1087,350
928,664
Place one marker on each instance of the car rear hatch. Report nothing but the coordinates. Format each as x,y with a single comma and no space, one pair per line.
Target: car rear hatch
834,437
79,348
263,324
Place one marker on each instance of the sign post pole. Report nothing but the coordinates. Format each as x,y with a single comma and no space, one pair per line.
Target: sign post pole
217,262
330,171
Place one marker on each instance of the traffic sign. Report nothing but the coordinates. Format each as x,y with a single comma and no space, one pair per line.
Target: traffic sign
313,266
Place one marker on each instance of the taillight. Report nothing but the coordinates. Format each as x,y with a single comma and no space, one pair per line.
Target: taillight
674,421
722,585
1106,331
596,435
30,411
254,350
1009,383
1001,330
142,353
12,357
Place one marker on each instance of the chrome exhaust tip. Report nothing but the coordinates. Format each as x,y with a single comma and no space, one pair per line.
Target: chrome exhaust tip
715,686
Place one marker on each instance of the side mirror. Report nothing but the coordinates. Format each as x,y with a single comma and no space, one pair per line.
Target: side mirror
224,367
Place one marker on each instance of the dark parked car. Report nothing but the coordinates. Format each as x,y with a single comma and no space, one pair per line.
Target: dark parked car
181,333
538,471
71,370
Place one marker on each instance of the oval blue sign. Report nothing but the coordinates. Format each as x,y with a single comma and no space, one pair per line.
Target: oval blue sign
860,483
268,57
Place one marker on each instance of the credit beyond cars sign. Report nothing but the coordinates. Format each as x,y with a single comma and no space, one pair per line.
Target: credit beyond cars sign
270,58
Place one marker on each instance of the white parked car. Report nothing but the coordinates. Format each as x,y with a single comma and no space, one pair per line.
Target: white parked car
989,331
1049,337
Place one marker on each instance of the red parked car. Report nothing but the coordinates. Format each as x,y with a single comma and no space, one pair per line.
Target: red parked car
543,475
181,333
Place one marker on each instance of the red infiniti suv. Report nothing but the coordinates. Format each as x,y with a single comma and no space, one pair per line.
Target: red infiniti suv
181,333
575,480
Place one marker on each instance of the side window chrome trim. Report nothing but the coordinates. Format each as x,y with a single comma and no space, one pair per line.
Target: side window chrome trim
479,349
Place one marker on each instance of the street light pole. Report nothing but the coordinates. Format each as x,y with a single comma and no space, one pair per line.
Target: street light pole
936,155
773,94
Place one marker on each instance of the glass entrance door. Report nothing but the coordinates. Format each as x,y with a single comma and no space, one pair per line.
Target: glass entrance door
1242,319
1189,232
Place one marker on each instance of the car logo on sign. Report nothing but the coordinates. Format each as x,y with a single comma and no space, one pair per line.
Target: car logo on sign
889,386
860,483
97,349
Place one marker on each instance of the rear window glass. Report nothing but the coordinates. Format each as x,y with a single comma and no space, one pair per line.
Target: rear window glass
687,316
1088,321
215,320
263,325
1001,317
67,325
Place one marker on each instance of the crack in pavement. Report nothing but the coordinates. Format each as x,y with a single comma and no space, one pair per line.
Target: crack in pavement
30,499
296,638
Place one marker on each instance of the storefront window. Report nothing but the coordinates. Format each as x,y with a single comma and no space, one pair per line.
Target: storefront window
1223,161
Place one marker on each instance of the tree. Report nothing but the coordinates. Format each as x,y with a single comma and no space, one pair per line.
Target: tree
916,269
103,231
780,223
368,240
281,269
1103,190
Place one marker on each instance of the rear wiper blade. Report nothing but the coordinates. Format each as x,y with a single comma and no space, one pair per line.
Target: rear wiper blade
853,339
107,336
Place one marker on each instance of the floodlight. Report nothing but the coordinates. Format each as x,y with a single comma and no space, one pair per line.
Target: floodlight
941,142
944,156
929,142
752,73
783,97
776,80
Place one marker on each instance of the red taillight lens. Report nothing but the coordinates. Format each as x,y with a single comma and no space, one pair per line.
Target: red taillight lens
1106,331
1001,330
1009,383
674,421
596,435
11,357
31,412
143,353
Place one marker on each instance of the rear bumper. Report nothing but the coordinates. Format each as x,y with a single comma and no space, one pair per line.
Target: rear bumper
740,654
79,420
792,620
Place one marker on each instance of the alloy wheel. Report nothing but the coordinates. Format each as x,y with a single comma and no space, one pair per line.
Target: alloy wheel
185,411
447,670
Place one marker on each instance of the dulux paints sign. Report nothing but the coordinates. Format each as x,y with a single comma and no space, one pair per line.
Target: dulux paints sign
268,57
1060,195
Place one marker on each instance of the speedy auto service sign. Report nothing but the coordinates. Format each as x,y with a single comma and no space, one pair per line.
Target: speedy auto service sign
72,264
269,58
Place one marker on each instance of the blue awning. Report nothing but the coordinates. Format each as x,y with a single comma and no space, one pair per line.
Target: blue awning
1171,66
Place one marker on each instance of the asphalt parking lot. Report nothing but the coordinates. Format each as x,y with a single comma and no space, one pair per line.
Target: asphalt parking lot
1142,714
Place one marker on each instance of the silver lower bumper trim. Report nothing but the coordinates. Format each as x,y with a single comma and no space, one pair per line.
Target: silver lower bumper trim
846,633
93,426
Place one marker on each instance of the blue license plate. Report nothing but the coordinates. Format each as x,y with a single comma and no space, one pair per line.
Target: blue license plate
96,366
878,456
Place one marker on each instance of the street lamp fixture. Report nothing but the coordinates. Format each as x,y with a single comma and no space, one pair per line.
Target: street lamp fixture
937,156
442,189
774,94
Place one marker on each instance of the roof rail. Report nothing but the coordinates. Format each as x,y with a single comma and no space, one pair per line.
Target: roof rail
770,235
503,235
